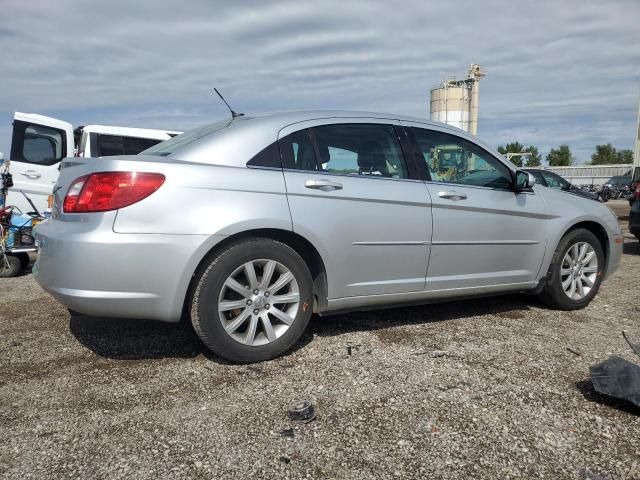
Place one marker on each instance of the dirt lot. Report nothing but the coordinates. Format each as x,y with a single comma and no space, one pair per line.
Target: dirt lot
475,389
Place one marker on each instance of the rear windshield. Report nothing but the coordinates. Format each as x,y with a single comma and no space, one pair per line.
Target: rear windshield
171,146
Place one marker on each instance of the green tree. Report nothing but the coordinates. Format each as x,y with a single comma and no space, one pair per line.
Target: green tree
605,155
560,157
608,155
532,160
535,159
625,156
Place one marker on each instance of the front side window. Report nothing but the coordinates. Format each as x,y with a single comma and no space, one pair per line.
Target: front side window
554,181
37,144
452,159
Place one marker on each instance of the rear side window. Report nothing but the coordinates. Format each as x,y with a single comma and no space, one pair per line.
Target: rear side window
110,145
37,144
267,157
346,149
297,151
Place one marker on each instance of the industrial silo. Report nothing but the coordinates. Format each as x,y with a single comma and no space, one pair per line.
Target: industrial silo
450,104
455,102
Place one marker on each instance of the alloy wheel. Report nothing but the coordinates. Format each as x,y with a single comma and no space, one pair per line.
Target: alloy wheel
579,270
258,302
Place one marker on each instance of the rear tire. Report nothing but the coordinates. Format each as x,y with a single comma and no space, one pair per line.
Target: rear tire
575,272
235,309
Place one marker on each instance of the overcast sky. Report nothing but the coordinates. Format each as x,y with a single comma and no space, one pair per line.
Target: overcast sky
557,71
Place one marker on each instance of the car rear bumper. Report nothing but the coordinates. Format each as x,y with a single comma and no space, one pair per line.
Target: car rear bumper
95,271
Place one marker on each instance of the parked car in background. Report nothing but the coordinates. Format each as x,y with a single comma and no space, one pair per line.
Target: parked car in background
553,180
250,225
39,143
618,181
634,200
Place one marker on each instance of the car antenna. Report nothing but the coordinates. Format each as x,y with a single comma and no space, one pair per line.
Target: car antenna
233,114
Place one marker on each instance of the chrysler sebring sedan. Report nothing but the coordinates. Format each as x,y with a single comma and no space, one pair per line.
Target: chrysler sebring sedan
249,226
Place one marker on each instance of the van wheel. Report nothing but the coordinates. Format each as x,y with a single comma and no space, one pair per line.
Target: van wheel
253,301
10,266
575,272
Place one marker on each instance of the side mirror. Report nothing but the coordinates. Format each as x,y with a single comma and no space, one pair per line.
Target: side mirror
524,181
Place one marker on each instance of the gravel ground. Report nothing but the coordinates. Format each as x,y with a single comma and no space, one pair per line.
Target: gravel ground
475,389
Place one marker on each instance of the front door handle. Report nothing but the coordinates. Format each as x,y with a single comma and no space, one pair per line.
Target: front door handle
452,195
31,174
324,185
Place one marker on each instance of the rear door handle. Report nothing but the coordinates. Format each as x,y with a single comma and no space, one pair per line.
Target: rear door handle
31,174
324,185
452,195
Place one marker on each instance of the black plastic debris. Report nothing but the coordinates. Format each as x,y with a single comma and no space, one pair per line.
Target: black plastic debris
288,432
303,411
352,348
617,377
574,351
634,346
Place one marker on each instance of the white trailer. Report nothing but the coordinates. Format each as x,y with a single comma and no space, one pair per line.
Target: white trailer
39,144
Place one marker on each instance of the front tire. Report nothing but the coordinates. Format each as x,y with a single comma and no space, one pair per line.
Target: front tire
10,266
253,301
575,272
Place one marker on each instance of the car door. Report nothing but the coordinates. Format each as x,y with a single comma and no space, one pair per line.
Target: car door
485,234
353,196
38,144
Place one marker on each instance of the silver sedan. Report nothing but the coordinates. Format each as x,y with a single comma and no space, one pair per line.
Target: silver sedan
249,226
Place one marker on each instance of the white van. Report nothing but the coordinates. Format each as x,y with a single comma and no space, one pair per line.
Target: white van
39,144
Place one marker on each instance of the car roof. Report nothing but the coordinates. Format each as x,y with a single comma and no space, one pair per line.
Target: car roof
247,135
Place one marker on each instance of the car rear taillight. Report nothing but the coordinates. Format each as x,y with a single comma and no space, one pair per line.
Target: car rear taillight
100,192
636,192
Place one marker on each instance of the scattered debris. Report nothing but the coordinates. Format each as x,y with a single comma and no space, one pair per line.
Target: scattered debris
575,352
351,348
618,378
588,475
15,344
433,353
303,411
634,346
288,432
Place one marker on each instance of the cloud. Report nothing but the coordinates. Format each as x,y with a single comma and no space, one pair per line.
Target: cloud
558,72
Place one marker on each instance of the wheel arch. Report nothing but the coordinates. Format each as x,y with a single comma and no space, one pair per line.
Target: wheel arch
598,230
301,245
